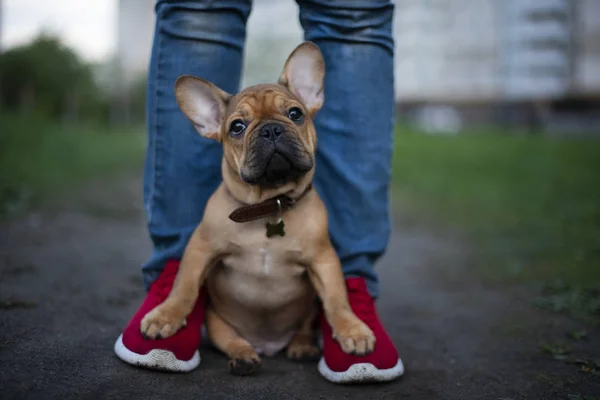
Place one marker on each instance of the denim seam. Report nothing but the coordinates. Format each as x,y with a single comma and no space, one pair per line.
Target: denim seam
152,194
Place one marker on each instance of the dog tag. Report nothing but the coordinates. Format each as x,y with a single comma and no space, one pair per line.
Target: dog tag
277,227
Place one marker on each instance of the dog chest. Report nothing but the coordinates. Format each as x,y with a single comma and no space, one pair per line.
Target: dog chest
265,263
262,275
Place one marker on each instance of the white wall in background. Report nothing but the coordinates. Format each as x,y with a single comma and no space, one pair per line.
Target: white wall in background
135,28
483,49
273,31
587,47
474,50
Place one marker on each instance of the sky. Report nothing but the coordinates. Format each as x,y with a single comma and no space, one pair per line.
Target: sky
88,26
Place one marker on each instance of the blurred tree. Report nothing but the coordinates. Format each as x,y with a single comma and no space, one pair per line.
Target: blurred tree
137,96
47,77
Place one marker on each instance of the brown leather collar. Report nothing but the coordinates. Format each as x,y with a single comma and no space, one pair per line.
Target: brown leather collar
266,208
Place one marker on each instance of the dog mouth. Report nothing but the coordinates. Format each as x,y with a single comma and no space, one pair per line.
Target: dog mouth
276,169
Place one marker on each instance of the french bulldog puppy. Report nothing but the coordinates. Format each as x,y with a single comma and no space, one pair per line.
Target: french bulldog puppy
262,250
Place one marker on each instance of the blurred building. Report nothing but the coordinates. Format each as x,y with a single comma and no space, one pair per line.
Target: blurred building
457,61
265,51
1,25
500,61
135,26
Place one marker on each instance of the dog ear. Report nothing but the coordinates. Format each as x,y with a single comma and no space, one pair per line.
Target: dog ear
303,75
203,103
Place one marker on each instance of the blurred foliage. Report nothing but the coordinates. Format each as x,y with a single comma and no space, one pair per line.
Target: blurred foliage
40,157
137,99
583,303
48,79
62,122
531,203
58,116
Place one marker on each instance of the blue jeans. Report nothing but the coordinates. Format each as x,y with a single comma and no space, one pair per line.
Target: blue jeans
353,163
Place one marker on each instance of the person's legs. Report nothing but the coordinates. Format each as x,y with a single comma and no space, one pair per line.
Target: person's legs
206,39
353,168
354,127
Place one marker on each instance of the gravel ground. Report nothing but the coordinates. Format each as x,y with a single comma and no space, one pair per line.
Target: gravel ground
69,281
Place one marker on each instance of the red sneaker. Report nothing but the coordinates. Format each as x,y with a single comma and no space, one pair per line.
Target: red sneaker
383,364
178,353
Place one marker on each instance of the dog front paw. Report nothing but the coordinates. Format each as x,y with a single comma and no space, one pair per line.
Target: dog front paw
356,338
160,323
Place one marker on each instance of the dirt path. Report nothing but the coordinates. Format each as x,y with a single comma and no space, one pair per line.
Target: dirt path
69,281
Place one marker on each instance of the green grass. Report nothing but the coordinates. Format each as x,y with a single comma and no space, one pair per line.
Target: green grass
39,158
531,204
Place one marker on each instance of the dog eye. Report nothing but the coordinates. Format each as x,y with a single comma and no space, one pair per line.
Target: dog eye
237,127
295,114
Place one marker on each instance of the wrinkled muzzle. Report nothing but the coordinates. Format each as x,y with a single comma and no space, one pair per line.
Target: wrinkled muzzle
276,155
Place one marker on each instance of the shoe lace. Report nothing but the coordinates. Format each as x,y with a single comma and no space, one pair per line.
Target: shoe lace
363,304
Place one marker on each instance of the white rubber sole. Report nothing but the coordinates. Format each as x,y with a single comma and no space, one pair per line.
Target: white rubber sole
157,359
361,373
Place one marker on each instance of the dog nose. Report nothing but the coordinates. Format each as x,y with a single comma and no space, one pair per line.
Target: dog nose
271,131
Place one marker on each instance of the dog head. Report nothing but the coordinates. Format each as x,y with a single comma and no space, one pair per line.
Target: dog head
266,130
